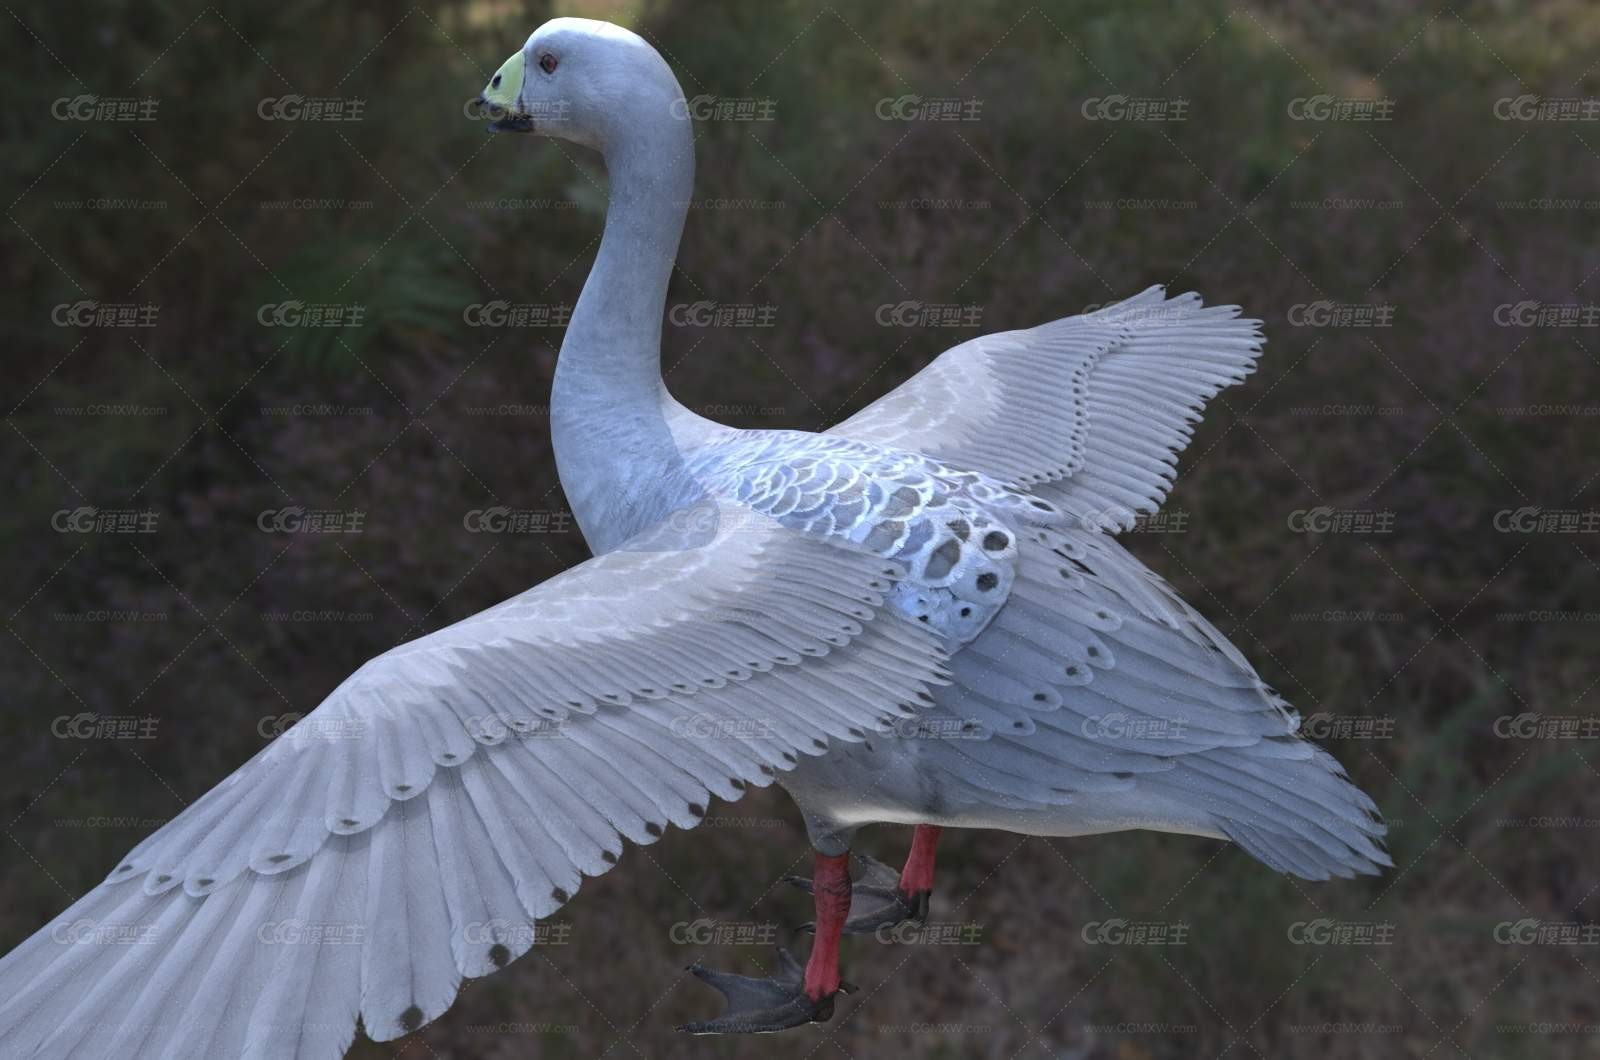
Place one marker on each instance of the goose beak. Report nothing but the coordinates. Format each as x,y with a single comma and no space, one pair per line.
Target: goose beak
500,97
501,120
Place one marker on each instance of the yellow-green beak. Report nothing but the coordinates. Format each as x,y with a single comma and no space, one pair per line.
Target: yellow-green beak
499,98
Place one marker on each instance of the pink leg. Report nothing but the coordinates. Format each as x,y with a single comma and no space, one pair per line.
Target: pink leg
917,876
830,884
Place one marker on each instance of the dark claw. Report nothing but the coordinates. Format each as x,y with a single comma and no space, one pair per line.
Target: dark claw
764,1004
876,900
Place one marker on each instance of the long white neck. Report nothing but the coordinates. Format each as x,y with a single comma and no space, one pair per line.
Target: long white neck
609,407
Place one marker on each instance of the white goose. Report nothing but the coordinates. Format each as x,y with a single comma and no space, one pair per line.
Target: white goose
833,608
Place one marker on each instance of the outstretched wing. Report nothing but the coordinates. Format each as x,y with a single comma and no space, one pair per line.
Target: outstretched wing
1099,698
453,791
1093,409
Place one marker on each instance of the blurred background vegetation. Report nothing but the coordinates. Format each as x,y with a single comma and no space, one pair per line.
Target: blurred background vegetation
827,213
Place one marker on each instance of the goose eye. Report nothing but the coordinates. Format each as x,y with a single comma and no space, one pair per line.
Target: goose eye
496,82
547,63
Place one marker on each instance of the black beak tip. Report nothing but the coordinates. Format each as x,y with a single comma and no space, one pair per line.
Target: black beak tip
479,107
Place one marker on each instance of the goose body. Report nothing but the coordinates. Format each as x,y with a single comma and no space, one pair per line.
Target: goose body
917,617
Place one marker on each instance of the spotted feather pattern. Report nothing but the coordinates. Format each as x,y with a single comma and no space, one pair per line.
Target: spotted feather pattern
954,531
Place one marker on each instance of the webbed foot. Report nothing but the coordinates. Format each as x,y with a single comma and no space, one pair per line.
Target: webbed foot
876,900
764,1004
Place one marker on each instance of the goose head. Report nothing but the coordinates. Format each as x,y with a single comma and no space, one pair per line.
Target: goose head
577,79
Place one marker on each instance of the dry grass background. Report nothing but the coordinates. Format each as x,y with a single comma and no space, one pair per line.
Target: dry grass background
1422,628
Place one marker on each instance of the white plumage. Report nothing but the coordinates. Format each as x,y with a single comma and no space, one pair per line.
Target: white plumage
938,565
